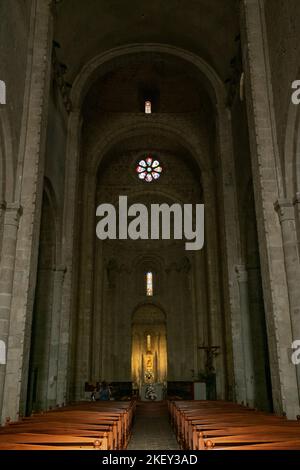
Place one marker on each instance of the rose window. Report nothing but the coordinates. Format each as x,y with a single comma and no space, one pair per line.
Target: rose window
149,169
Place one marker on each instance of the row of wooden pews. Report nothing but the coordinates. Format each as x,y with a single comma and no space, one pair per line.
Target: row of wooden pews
203,425
104,425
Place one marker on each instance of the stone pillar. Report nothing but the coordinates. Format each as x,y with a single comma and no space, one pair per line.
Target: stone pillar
10,230
286,213
86,287
107,292
297,218
259,337
30,174
229,236
216,319
2,212
70,258
200,310
246,335
173,332
267,187
186,323
55,336
97,313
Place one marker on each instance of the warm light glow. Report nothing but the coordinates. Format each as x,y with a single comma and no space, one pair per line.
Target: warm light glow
149,346
148,342
149,284
148,107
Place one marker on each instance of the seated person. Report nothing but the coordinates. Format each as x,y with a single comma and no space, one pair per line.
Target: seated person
104,391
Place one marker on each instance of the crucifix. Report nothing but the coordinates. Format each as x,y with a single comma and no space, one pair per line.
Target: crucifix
211,353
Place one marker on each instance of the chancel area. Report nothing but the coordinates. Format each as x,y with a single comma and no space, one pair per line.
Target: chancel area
149,224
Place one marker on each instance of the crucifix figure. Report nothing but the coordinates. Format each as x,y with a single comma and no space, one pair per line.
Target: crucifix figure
211,353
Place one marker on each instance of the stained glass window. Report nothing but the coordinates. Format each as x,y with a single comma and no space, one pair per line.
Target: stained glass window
148,107
149,169
149,283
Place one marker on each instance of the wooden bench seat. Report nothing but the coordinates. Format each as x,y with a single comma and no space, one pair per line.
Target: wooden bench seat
201,425
100,425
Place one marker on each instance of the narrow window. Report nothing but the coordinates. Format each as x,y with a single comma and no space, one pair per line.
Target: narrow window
149,283
148,342
148,107
2,352
3,93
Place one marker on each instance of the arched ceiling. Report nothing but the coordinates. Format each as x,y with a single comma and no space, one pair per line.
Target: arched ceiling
152,143
172,85
205,27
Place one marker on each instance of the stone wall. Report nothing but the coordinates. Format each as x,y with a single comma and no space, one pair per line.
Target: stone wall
283,34
56,146
82,322
14,35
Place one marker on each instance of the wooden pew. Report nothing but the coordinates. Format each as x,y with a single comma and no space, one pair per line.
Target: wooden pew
202,425
97,425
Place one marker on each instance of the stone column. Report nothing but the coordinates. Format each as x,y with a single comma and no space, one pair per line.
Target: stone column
10,230
286,213
230,247
70,257
29,189
173,332
55,336
85,286
200,310
297,218
216,319
246,336
106,293
186,323
2,212
97,313
267,187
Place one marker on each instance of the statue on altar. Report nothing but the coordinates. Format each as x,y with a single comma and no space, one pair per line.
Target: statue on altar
150,393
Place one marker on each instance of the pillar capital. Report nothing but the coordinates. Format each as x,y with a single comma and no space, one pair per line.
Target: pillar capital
285,209
13,212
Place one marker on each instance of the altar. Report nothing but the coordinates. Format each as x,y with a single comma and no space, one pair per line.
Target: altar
152,392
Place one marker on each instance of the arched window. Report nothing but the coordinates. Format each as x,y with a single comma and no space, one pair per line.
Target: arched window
148,107
149,284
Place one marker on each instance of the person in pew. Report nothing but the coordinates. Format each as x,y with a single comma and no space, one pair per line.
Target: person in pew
94,389
105,393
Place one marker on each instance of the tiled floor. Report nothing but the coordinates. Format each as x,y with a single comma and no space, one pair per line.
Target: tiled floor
152,430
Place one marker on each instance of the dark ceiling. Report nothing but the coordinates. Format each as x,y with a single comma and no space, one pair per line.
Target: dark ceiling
171,85
87,28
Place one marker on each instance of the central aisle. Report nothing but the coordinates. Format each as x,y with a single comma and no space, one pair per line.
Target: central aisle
152,430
